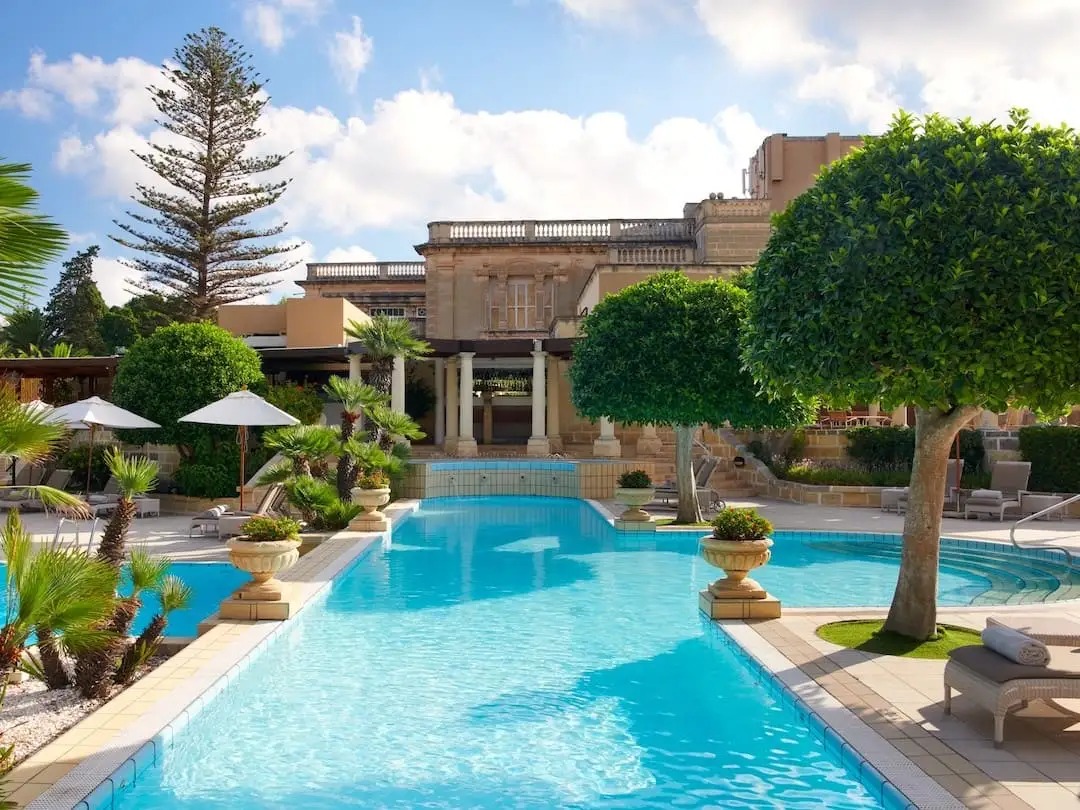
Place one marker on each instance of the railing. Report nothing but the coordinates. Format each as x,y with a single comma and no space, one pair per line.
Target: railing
568,230
332,271
654,254
1042,512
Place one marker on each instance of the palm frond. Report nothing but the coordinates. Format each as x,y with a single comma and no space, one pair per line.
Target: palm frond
395,424
146,572
277,474
385,337
28,240
355,397
175,594
368,455
29,435
135,475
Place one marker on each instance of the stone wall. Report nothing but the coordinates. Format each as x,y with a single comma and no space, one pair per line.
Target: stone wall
1001,445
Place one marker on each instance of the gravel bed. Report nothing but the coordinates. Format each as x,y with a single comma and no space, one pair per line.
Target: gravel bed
32,716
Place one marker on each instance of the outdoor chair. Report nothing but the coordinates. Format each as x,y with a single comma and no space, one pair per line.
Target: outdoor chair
58,479
1001,686
110,493
1008,485
703,469
227,523
950,484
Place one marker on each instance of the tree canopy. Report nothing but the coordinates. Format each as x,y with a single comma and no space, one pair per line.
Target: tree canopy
666,351
937,266
179,369
75,308
198,244
121,326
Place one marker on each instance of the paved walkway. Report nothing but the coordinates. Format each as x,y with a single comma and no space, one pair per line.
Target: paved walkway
166,536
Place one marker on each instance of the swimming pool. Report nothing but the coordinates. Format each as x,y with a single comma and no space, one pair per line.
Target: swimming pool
510,653
210,583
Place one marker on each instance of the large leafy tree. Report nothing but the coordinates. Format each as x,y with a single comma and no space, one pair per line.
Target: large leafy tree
28,240
938,266
179,369
121,326
194,232
666,352
75,309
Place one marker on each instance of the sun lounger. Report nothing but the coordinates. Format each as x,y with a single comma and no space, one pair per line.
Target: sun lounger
109,494
999,685
703,470
226,523
1050,630
1008,485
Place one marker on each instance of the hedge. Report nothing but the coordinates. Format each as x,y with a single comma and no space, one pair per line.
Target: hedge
886,448
1054,453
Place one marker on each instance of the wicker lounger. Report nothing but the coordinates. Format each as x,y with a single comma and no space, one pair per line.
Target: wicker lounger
1050,630
1001,686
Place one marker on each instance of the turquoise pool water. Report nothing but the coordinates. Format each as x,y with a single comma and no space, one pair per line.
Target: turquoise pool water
503,653
210,582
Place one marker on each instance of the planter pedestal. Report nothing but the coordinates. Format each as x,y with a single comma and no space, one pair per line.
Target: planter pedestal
737,596
371,519
265,597
633,499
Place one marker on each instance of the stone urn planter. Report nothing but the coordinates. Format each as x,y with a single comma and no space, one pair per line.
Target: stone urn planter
269,546
739,544
634,490
373,491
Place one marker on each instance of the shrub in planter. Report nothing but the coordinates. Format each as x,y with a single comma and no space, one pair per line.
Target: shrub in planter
267,546
635,479
264,529
740,525
375,479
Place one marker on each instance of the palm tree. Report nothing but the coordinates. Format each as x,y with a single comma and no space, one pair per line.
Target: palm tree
385,338
356,398
28,240
60,593
174,594
391,427
135,476
25,329
303,445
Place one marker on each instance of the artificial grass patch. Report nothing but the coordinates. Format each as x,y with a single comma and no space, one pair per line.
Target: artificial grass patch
672,522
868,636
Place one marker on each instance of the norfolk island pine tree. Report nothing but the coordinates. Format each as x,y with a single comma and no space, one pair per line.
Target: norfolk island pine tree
938,266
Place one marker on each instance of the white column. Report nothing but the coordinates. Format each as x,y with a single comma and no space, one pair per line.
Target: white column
440,400
607,446
354,367
648,443
899,416
466,444
538,442
397,386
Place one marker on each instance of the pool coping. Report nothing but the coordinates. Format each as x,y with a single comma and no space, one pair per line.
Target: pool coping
89,764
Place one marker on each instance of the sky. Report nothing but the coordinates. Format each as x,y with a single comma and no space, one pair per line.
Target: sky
399,113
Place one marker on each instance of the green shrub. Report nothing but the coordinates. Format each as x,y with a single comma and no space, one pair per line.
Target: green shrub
310,496
841,476
740,525
883,448
635,479
75,460
373,479
1054,453
206,480
301,401
263,529
336,516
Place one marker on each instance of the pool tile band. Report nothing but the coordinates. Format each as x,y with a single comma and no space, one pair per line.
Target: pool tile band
96,782
897,782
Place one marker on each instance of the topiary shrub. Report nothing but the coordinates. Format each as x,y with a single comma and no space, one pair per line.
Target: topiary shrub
178,369
740,525
206,480
1054,453
301,401
889,448
635,479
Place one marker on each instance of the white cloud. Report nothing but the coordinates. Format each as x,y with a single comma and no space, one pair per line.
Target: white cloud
32,102
82,238
112,278
862,95
272,22
350,53
611,12
353,253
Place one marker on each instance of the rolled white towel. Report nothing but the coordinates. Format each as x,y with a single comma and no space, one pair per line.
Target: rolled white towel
986,494
1016,646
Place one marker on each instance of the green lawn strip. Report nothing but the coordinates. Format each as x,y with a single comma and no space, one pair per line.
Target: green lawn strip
704,524
868,636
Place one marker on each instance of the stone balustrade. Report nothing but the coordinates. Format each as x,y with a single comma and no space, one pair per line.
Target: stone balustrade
600,231
334,271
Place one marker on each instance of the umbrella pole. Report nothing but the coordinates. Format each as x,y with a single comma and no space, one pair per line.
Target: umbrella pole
243,452
90,460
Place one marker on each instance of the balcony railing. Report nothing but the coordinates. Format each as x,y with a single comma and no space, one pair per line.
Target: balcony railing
652,254
335,271
600,231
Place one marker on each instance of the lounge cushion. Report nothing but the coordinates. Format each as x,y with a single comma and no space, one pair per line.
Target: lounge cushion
999,669
1048,629
987,494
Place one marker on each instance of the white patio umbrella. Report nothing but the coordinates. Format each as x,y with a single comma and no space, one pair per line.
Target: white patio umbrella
242,409
93,413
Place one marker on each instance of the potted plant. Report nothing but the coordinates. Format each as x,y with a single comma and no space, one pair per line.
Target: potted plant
267,546
739,543
372,490
634,490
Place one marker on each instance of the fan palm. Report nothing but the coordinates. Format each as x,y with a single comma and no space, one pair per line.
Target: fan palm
28,240
391,427
385,338
356,398
135,476
303,445
173,594
59,592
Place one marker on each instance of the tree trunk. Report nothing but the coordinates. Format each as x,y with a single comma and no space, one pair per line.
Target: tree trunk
144,648
914,607
113,540
689,509
52,667
381,372
346,467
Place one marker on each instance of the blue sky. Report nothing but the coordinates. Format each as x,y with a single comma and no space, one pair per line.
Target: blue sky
398,113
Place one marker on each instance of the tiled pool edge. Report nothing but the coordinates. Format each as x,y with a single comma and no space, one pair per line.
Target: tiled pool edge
903,785
202,670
